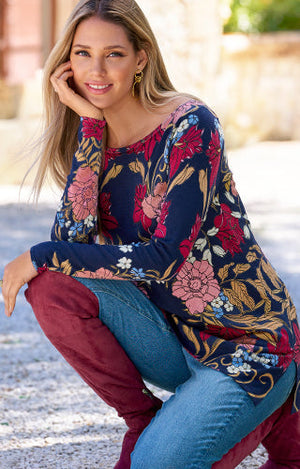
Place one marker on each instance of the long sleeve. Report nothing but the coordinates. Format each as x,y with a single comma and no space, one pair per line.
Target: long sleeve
192,154
76,218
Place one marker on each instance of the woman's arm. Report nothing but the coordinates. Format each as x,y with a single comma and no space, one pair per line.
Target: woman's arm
21,270
76,219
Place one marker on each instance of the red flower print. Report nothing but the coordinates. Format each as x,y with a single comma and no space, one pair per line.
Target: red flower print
109,154
150,143
92,128
186,245
189,144
283,349
230,232
108,222
223,332
196,286
138,213
161,229
83,193
214,154
297,343
42,269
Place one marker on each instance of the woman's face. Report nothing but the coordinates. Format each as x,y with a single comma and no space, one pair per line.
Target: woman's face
104,62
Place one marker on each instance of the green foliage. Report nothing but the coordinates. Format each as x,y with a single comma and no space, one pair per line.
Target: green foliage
253,16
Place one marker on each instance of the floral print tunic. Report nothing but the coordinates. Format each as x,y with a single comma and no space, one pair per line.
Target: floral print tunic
172,222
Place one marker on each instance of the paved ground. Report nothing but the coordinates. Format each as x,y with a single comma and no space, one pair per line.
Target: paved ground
49,419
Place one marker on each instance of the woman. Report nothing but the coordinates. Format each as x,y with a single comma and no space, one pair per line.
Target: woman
177,290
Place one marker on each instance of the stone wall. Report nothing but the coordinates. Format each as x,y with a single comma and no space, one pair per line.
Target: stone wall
258,87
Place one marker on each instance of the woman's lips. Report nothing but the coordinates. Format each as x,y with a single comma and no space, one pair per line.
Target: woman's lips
98,89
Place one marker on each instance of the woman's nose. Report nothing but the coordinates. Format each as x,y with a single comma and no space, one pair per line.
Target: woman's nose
98,66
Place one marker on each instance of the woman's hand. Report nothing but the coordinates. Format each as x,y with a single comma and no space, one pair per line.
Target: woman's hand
16,274
67,95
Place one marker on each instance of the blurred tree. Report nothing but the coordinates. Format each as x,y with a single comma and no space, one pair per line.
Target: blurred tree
256,16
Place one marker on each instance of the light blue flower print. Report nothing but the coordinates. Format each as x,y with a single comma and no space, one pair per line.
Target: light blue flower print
74,229
193,119
60,219
138,273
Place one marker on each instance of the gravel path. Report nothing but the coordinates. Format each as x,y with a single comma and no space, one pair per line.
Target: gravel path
49,419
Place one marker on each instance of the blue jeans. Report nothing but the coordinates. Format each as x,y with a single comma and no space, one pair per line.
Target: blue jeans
208,412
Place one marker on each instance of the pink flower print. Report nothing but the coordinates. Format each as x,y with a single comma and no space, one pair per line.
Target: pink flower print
92,128
230,232
214,154
83,193
189,144
108,222
161,229
138,213
148,207
151,204
100,273
179,112
186,245
196,286
233,188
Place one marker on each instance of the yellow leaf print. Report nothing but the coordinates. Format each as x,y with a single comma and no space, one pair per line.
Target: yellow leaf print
223,272
191,336
112,174
241,268
55,260
203,183
183,176
270,273
137,167
241,291
251,257
168,271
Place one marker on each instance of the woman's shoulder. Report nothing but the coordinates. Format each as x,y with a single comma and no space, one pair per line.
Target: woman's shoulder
183,107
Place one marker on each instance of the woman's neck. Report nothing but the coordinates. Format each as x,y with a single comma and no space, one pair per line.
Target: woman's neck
132,122
129,124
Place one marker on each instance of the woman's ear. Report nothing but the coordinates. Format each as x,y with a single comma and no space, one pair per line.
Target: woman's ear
142,59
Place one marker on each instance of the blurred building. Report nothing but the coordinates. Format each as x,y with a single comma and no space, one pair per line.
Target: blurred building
28,31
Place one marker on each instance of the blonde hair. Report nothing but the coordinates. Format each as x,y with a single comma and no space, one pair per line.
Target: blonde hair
59,140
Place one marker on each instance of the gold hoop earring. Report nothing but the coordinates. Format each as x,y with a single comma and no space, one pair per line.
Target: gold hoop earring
137,79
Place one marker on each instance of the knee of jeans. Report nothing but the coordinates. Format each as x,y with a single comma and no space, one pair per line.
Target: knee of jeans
57,298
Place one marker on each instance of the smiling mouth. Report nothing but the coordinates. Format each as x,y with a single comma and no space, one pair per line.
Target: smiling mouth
98,87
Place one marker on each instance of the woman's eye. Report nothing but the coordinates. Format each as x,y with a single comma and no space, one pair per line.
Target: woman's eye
82,53
116,54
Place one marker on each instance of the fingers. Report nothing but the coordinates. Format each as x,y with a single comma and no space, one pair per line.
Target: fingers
9,295
59,78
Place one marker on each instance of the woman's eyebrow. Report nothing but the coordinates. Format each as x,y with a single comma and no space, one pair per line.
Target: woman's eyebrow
82,46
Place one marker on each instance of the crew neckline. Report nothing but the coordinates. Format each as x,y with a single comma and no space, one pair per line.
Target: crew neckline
142,141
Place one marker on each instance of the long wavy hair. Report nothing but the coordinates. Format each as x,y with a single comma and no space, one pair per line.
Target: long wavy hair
59,140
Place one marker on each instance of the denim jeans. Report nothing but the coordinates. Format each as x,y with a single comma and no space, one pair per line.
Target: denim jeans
208,412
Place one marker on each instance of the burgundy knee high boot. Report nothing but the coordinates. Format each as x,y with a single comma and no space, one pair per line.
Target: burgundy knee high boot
67,312
279,433
283,442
